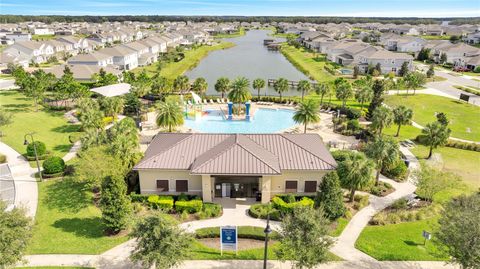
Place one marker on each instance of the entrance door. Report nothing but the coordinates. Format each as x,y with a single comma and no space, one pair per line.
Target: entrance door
218,189
238,190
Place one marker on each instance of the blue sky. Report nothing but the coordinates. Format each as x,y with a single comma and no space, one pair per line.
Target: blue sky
360,8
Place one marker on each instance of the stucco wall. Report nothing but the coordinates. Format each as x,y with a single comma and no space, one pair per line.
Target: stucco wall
278,182
148,181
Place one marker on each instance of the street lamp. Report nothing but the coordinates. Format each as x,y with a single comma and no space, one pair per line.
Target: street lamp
25,142
267,231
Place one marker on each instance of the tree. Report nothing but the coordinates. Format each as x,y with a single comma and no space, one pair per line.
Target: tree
141,85
382,118
322,89
431,71
431,181
115,204
124,142
454,38
355,172
132,104
343,91
415,80
385,151
37,84
304,86
330,196
304,238
181,84
68,88
111,106
280,86
404,70
5,119
222,85
364,91
356,71
459,230
160,85
423,54
443,58
402,116
103,78
258,84
435,135
378,67
169,114
92,119
161,243
307,112
442,119
240,92
377,100
15,232
200,86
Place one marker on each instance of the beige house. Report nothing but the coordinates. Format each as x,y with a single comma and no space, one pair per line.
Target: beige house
234,165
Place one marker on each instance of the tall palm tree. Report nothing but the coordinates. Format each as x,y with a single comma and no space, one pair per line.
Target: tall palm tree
240,92
222,85
343,91
124,141
384,150
322,89
281,86
356,172
307,112
436,134
402,116
304,86
170,115
258,84
181,84
382,117
200,86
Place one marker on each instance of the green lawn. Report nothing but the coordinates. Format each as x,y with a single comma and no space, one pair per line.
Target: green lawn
435,37
67,222
49,127
462,116
42,37
239,33
341,224
306,62
192,58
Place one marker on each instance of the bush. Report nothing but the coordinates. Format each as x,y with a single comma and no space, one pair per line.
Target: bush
182,197
289,198
161,202
341,155
361,201
463,145
41,149
53,165
351,113
353,125
138,198
398,171
3,158
260,211
400,204
107,120
191,207
287,208
330,196
210,210
476,70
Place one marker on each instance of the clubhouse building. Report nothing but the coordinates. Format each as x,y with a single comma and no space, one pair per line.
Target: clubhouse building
234,165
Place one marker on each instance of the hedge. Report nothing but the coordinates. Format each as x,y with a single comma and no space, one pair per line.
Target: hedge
286,208
41,149
260,211
398,171
191,207
210,210
161,202
249,232
54,165
463,145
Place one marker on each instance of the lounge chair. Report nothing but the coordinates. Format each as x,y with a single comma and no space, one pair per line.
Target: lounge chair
218,101
223,101
204,101
211,101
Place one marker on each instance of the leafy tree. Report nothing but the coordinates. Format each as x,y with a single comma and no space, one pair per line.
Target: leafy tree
131,104
200,86
423,54
169,114
382,118
304,238
378,67
459,230
141,86
385,151
431,71
443,58
161,243
442,119
343,91
15,232
37,84
258,84
377,100
92,119
364,91
5,118
181,84
435,135
322,89
222,86
103,78
330,196
454,38
111,106
68,88
415,80
431,181
281,86
304,86
160,85
115,204
404,70
124,142
356,71
307,112
355,172
240,93
22,78
402,116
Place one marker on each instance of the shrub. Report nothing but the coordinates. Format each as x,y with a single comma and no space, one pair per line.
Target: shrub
191,207
289,198
341,155
330,196
398,171
476,70
287,208
53,165
361,201
107,120
211,210
41,149
182,197
138,198
353,125
260,211
351,113
3,158
400,204
161,202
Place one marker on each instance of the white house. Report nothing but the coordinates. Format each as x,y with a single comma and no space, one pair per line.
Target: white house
123,57
95,58
38,52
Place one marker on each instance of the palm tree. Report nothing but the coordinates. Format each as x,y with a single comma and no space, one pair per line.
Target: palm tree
364,91
322,89
124,141
355,172
304,86
181,84
281,86
160,85
240,92
384,150
307,112
415,80
343,91
382,118
402,116
222,85
169,115
258,84
200,86
436,134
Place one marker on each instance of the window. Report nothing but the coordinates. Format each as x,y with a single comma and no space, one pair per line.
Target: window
290,186
162,185
310,186
181,185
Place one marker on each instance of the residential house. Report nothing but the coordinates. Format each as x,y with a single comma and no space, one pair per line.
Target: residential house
457,54
389,61
33,51
7,58
162,42
43,31
145,57
472,38
394,42
123,57
405,30
18,36
83,72
76,45
95,58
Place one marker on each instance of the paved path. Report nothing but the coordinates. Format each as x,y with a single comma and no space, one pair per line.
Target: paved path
26,192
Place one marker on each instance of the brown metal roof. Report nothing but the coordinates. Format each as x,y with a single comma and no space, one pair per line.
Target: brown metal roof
227,154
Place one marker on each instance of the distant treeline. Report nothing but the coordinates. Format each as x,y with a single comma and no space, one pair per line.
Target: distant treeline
262,19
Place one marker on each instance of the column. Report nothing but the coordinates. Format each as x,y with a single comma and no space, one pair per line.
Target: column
247,110
230,110
266,188
206,189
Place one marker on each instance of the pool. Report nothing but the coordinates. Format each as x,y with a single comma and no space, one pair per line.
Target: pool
264,121
346,71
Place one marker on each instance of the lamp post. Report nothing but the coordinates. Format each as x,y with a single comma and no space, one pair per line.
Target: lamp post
25,142
267,231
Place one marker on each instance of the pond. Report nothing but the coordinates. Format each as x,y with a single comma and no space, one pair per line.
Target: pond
249,58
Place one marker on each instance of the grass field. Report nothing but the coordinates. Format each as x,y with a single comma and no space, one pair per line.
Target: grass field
306,62
239,33
435,37
42,37
463,117
49,127
67,222
192,58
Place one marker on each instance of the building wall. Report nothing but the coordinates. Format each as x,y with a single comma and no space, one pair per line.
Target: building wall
278,182
148,181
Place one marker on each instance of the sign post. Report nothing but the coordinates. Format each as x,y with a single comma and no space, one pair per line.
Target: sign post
427,236
228,238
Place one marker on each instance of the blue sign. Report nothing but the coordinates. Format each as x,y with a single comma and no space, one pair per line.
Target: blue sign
229,235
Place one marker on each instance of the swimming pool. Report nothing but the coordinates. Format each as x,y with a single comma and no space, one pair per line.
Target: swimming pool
265,120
